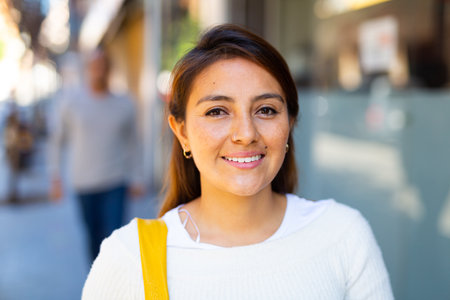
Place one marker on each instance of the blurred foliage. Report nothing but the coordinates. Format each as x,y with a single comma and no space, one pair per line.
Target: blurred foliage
180,37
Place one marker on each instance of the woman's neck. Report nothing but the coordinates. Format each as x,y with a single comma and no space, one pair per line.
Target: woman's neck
229,220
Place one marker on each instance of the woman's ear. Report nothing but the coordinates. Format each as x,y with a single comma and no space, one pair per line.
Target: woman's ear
179,129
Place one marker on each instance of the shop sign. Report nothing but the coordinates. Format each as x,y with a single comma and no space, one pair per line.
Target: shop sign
378,41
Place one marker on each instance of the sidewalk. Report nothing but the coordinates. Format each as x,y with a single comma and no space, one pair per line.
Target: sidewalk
43,253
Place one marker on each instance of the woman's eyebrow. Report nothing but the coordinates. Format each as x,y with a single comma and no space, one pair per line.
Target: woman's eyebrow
269,96
229,99
214,98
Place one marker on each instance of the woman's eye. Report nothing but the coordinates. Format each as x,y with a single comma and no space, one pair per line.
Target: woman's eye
215,112
267,111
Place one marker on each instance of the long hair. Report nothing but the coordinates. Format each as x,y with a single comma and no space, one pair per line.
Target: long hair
224,42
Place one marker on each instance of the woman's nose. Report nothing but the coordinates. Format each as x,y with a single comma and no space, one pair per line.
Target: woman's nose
244,130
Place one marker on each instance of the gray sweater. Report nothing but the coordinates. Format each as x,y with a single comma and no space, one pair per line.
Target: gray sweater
102,139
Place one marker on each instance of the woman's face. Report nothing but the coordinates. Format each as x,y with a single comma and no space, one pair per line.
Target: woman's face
236,127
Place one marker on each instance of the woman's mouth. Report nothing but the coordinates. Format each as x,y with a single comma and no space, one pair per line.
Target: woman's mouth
244,162
244,159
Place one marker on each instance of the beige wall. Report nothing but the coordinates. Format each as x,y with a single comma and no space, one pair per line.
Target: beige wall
126,50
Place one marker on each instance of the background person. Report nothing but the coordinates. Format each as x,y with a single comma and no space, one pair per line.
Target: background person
235,230
19,143
100,129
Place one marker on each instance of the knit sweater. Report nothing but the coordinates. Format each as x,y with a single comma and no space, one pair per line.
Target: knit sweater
102,137
333,257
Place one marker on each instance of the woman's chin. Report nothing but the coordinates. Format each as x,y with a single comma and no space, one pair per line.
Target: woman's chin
243,190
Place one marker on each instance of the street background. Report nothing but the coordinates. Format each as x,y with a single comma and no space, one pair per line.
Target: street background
374,93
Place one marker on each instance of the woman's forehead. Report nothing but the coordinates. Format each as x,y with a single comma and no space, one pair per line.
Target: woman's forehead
233,72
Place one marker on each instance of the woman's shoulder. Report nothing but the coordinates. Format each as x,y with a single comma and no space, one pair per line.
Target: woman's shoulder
117,269
332,206
329,215
124,239
122,246
344,233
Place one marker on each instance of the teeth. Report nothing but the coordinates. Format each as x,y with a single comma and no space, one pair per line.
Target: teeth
244,159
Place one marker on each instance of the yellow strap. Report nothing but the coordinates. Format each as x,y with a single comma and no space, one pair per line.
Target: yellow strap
152,241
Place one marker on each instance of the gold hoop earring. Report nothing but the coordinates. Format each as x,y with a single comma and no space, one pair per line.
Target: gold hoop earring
187,154
287,148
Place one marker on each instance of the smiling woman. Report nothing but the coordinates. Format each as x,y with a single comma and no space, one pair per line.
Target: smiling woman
217,48
230,226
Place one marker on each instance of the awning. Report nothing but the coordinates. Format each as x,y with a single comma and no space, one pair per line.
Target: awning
96,22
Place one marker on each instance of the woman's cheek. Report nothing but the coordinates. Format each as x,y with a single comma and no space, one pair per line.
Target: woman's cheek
206,133
276,132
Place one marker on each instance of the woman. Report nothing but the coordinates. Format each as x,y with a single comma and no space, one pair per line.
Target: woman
234,229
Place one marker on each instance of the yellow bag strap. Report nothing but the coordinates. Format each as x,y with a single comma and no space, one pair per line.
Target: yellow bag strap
152,242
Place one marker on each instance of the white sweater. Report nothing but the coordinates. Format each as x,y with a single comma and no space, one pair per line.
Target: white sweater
333,257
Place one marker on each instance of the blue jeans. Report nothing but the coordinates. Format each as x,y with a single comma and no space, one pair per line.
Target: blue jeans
102,212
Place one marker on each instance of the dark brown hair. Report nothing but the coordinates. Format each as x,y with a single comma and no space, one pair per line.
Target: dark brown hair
224,42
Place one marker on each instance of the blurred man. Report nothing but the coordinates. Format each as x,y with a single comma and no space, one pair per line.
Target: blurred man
100,129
